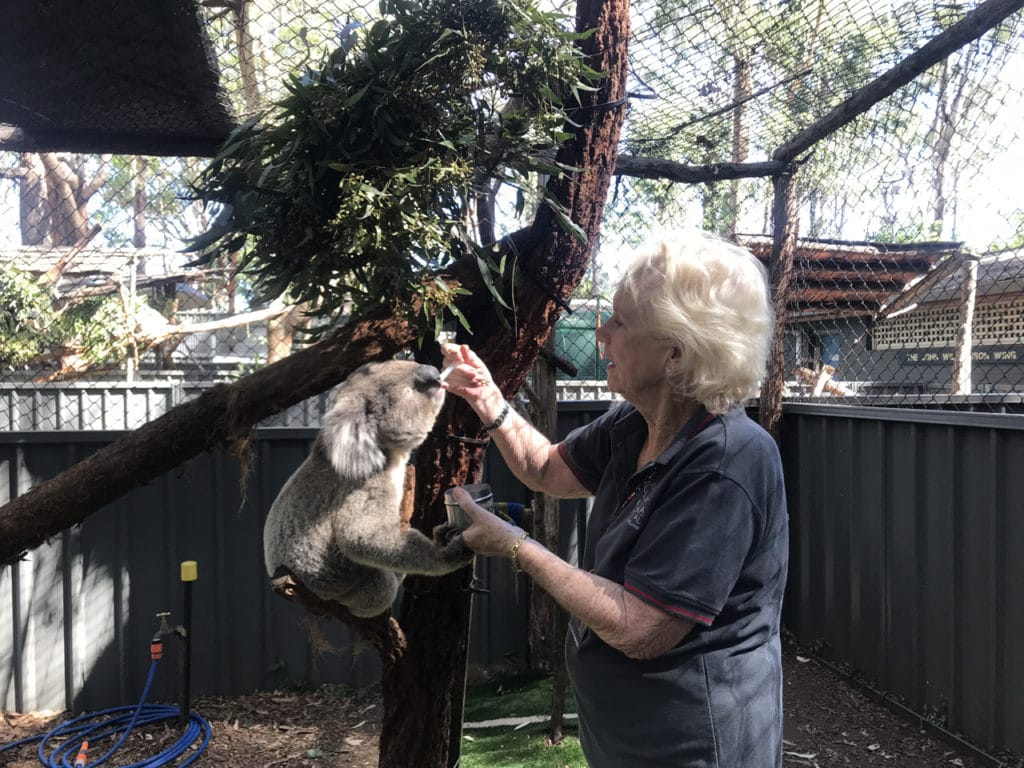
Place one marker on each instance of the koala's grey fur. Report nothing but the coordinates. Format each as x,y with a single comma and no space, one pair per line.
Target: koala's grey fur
335,524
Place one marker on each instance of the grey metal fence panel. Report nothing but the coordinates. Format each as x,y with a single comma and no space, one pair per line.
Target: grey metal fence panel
907,529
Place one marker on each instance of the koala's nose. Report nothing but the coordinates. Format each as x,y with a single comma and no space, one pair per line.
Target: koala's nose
427,377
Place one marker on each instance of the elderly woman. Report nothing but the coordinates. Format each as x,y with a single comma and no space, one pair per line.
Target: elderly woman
673,646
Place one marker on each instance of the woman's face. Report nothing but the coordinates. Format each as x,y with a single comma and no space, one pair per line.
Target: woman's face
637,361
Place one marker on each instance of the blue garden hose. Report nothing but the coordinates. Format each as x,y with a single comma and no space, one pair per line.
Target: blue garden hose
108,723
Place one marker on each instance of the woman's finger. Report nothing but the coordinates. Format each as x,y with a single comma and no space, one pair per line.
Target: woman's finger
464,500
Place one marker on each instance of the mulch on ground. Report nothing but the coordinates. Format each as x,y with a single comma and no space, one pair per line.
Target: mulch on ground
828,722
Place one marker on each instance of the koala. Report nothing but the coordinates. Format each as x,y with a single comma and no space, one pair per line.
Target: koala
335,524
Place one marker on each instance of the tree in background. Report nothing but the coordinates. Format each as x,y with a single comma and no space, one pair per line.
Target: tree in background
54,192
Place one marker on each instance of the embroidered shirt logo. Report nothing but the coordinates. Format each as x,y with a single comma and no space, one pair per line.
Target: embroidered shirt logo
643,497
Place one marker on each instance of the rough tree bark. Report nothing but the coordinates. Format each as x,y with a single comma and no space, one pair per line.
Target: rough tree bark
68,191
139,202
785,230
54,193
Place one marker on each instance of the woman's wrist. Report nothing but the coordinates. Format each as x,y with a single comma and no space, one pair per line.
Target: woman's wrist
499,419
521,539
493,409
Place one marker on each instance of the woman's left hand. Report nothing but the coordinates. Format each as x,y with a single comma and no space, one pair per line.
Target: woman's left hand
487,533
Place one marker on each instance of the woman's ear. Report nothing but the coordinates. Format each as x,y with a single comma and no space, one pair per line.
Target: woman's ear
675,356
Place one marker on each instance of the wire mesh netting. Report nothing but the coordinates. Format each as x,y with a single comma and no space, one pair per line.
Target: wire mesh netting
899,132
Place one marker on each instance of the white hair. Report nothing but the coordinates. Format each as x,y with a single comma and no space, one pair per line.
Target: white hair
710,299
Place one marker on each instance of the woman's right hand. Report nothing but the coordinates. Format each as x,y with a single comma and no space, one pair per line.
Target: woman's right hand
471,381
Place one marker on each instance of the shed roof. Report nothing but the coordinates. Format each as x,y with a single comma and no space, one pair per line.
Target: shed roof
1000,275
838,278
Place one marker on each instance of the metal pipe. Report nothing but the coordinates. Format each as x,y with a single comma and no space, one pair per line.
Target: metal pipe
189,573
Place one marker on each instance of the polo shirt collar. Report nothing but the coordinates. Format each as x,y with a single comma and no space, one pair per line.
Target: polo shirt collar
630,431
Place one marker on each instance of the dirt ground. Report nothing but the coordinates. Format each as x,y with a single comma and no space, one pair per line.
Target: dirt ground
828,723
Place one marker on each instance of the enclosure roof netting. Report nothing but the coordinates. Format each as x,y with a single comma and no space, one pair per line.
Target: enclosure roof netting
109,76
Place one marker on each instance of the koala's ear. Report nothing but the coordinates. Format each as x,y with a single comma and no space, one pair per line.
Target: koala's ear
350,440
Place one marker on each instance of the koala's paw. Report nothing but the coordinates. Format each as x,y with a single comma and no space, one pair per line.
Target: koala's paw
444,533
452,548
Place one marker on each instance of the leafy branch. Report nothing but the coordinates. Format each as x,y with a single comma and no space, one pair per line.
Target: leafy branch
357,184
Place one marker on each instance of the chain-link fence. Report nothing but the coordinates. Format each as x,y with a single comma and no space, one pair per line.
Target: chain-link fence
904,283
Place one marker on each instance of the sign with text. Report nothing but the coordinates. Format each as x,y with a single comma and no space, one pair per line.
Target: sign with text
943,356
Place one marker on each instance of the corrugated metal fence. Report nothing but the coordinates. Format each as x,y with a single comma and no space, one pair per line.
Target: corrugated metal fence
907,566
907,534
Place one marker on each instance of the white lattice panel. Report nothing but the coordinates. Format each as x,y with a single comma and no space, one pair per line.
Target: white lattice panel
995,323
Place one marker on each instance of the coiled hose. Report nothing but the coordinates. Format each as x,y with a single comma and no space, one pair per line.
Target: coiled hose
108,723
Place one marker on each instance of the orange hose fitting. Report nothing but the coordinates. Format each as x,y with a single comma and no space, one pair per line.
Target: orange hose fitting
156,650
81,760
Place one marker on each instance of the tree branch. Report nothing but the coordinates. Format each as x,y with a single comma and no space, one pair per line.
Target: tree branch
383,630
656,168
732,104
225,412
970,27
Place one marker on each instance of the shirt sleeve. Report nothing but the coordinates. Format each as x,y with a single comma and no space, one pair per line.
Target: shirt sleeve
688,558
588,449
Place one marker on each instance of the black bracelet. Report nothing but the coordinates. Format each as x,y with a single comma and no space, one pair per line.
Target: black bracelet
498,421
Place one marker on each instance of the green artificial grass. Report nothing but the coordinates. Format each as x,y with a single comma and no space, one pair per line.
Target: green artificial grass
514,696
525,748
517,696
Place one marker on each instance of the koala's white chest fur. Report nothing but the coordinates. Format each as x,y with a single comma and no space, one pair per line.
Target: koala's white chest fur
396,469
335,523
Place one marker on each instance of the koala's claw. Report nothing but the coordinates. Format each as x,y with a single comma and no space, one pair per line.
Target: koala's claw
448,538
444,533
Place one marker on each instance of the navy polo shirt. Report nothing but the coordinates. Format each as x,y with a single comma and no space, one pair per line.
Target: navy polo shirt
701,533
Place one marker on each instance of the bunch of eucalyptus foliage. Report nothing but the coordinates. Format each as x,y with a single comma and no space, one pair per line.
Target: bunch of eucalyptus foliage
357,184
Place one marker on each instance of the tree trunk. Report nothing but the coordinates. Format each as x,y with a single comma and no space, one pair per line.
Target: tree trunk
139,202
949,108
740,141
547,628
780,272
32,201
246,57
68,194
423,691
542,640
281,332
